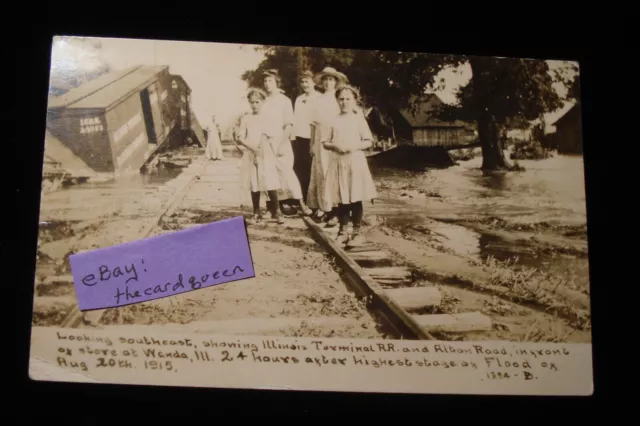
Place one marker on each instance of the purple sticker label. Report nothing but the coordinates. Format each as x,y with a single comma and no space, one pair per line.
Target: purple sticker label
162,266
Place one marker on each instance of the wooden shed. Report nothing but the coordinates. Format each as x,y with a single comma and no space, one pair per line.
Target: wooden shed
568,135
115,122
423,129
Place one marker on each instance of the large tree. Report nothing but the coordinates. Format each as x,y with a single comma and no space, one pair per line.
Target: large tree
500,91
573,88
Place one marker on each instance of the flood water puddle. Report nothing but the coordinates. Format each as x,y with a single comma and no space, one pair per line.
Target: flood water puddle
480,247
456,238
428,206
151,178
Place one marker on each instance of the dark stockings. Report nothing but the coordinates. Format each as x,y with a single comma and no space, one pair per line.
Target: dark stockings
272,204
355,210
356,213
333,213
255,200
343,216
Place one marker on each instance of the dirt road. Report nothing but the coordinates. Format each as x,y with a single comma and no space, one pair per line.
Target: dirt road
297,290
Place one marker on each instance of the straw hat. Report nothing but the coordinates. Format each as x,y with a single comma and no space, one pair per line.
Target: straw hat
330,72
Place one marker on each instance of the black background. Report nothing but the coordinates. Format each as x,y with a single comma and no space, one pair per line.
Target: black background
553,34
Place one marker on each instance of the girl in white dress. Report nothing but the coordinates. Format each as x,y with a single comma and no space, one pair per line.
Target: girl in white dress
349,181
280,108
260,138
324,109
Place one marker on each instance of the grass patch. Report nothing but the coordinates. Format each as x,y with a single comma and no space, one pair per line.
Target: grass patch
551,333
495,222
533,285
344,305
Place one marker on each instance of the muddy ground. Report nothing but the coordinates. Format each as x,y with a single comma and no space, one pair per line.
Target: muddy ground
297,290
518,279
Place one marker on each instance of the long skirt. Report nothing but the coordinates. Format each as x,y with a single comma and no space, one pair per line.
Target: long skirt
259,173
319,165
348,179
289,185
214,147
302,163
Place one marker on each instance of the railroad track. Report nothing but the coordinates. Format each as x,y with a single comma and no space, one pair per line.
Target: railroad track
389,289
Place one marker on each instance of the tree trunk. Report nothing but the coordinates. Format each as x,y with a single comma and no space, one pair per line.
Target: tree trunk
488,129
492,154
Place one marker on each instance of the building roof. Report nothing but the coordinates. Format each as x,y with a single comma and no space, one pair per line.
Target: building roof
88,88
107,89
55,151
424,115
575,109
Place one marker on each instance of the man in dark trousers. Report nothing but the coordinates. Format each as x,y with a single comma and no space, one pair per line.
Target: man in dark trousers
302,131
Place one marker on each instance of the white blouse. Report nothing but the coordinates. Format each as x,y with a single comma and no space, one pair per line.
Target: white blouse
325,108
348,131
302,114
279,107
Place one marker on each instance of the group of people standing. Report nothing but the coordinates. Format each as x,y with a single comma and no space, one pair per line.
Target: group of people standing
308,156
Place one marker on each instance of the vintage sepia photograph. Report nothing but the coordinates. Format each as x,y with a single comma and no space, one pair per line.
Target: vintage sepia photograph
387,195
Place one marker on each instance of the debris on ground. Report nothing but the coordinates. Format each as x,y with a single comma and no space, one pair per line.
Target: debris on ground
149,313
53,230
45,316
464,154
529,150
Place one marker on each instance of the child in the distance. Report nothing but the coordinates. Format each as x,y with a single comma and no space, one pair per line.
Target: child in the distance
258,134
349,181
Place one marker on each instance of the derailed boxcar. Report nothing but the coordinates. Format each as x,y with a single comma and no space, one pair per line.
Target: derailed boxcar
117,121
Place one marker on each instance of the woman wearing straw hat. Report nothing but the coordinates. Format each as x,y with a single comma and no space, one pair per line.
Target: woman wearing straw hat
325,108
280,108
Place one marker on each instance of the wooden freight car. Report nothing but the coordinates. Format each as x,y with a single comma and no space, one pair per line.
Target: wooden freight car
117,121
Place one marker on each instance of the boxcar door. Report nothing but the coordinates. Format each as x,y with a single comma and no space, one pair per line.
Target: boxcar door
148,115
156,112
